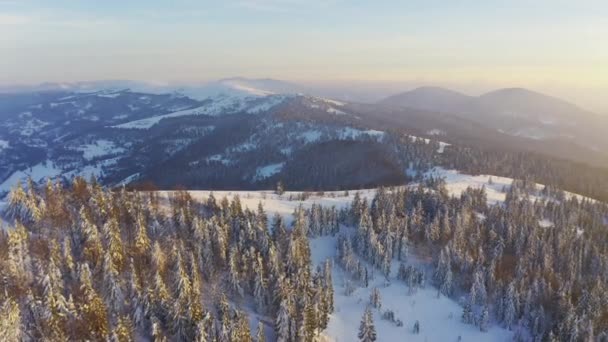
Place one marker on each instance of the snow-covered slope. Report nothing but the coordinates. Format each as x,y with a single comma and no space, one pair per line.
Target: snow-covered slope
222,104
37,173
496,187
439,317
285,204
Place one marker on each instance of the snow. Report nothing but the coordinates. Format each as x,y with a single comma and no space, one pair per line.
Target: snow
99,148
325,105
244,147
531,133
334,102
282,205
333,110
47,169
219,105
218,158
311,136
129,179
287,151
442,146
229,88
266,104
110,96
268,170
149,122
457,183
86,172
32,126
439,317
37,172
250,90
57,104
352,133
436,131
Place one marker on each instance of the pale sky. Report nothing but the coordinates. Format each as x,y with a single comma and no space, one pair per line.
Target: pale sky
555,46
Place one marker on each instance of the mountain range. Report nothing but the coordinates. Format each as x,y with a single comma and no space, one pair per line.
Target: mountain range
251,133
515,111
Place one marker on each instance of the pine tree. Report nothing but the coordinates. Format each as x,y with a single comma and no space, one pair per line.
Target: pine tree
283,323
123,331
484,320
310,323
509,306
367,331
446,285
478,289
375,299
280,190
201,334
10,321
142,241
467,314
416,329
113,293
260,335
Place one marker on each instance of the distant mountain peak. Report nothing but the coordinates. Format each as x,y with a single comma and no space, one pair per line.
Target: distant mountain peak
429,98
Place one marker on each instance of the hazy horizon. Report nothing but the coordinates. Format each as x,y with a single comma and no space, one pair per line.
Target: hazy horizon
552,47
366,91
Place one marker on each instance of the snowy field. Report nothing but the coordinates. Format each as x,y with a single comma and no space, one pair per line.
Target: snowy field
251,105
99,148
38,173
496,189
285,204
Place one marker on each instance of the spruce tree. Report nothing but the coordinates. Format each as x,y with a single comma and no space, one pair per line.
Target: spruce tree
367,330
484,319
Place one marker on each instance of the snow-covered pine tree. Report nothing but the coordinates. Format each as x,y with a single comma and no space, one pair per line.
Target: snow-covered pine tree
283,323
467,313
10,321
260,335
367,330
484,319
375,299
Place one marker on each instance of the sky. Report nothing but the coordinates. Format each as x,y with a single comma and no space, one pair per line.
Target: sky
554,46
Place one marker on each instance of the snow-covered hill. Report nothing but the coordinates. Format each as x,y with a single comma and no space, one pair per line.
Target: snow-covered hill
438,316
